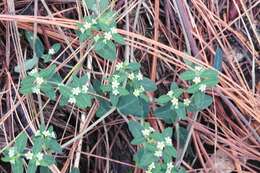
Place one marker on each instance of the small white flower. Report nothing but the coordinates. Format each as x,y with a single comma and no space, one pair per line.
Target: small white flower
113,30
151,167
28,155
119,66
196,80
38,133
169,167
76,91
168,141
82,30
36,90
158,153
174,101
87,25
146,133
116,76
141,89
107,35
198,68
151,129
131,76
115,92
11,152
136,92
160,145
186,102
84,88
115,84
170,93
33,72
202,87
46,133
39,156
94,21
139,76
51,51
39,80
96,38
53,135
72,100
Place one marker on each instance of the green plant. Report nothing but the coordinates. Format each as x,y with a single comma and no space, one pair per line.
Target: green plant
174,106
125,89
157,151
44,143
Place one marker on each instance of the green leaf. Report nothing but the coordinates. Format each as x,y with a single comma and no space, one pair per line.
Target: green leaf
107,19
201,100
148,84
208,73
53,145
167,132
32,167
28,65
46,58
146,159
21,142
37,145
210,82
18,166
129,105
194,88
138,140
188,75
44,169
135,128
118,38
106,50
181,113
83,100
134,66
75,170
48,72
98,6
56,47
174,87
49,91
27,85
47,160
39,48
104,106
166,113
218,59
163,99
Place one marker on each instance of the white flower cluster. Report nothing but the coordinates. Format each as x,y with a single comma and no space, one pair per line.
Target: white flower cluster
33,72
51,51
38,157
109,35
11,153
39,81
161,145
137,92
115,84
146,132
87,25
169,167
150,168
197,79
132,76
45,133
76,91
175,101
